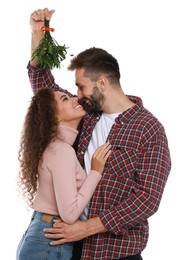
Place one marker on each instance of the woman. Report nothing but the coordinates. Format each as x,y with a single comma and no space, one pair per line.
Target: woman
51,177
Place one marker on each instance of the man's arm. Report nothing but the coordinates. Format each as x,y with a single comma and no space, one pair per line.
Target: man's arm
152,170
39,77
80,229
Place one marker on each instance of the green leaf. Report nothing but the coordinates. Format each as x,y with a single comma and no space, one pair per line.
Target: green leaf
49,53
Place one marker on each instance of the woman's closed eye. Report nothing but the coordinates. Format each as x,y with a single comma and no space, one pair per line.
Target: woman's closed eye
64,97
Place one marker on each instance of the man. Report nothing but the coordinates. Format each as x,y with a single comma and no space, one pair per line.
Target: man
137,169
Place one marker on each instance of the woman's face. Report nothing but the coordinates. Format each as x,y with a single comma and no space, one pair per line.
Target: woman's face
69,111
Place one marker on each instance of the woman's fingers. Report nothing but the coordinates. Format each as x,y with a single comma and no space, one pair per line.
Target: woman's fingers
103,151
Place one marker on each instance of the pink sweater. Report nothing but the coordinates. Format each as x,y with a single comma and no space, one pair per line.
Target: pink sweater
64,189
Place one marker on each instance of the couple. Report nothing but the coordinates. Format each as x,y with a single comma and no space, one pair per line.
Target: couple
129,168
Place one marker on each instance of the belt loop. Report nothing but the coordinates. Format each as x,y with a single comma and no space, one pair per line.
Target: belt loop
34,212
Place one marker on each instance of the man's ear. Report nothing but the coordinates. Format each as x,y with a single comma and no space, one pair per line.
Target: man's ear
102,84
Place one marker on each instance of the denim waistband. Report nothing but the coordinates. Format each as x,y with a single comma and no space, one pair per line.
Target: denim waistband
44,217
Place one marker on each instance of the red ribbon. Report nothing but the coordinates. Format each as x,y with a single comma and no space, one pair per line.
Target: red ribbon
44,29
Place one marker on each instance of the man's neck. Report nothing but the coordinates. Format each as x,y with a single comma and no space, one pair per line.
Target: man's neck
117,102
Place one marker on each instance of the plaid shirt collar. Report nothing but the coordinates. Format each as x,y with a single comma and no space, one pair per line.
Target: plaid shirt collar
129,113
126,115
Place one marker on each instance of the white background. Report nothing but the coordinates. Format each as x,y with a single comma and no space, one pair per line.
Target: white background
147,38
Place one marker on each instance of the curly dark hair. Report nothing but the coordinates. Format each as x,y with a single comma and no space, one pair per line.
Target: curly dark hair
40,128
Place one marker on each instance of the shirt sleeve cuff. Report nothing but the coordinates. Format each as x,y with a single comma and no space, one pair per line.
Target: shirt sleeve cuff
34,67
111,222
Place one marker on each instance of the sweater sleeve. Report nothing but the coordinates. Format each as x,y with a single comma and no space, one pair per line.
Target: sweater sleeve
64,167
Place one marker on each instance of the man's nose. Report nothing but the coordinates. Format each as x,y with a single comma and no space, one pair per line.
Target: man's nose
79,94
75,99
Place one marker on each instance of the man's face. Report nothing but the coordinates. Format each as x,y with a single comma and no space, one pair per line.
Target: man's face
88,91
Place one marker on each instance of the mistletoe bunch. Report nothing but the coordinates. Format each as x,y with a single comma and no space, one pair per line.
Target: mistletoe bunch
49,53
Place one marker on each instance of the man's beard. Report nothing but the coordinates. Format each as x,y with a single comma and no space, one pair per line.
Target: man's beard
94,103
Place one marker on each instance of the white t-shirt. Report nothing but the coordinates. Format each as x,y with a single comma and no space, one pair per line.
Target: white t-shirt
99,137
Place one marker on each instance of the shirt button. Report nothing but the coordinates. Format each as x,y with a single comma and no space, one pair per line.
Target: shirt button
97,117
82,152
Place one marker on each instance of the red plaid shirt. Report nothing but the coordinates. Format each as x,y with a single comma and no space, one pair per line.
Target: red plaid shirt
133,180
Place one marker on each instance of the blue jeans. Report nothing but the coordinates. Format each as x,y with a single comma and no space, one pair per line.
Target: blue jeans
35,246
